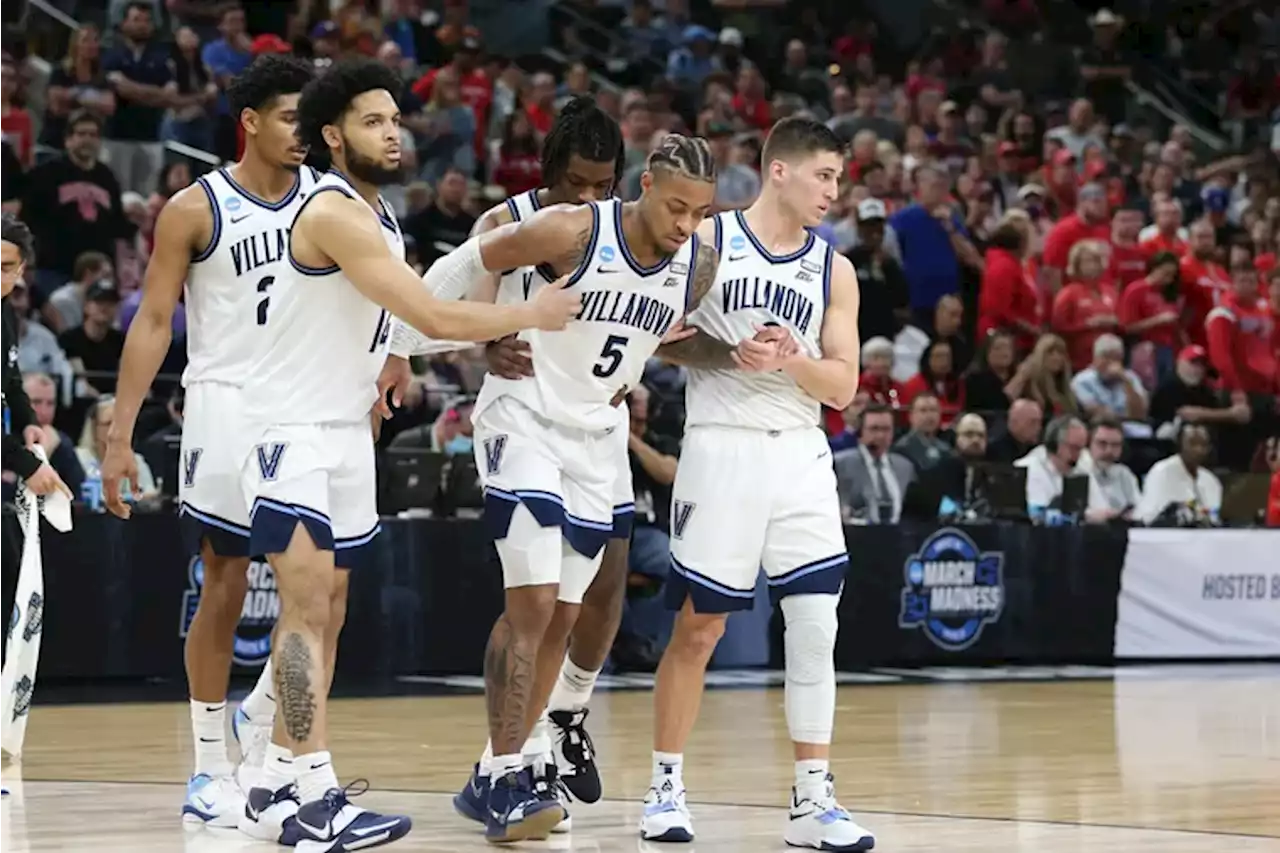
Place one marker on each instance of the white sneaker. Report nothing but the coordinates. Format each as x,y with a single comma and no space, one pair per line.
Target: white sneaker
819,822
266,812
213,801
253,737
666,817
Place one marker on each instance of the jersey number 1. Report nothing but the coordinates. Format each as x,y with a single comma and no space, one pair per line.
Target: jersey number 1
610,356
266,298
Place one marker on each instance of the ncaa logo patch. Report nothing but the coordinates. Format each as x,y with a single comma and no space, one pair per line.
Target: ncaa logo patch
231,203
252,645
607,254
952,590
737,241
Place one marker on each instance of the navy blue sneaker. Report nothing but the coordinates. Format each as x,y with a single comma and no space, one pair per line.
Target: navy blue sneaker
332,825
472,802
267,812
516,813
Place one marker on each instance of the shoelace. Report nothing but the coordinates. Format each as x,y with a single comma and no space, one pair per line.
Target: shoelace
339,797
575,743
550,781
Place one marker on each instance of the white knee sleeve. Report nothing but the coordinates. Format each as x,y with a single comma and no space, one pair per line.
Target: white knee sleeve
810,643
576,574
530,553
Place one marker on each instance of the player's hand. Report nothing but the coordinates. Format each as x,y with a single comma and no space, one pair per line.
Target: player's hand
787,344
32,435
45,481
118,464
396,377
678,332
509,358
554,306
757,356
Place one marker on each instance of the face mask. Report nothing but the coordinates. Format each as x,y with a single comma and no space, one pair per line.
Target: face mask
458,445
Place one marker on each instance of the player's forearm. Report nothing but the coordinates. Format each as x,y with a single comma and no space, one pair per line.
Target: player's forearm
832,382
470,321
699,351
145,347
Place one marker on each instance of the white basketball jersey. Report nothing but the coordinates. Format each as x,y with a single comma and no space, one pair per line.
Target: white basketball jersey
518,285
230,282
754,287
626,311
325,342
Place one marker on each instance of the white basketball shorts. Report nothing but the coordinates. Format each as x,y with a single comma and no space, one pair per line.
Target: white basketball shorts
746,499
319,475
565,478
624,496
214,442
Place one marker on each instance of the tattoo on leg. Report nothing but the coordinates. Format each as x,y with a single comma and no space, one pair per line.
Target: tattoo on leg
508,682
294,695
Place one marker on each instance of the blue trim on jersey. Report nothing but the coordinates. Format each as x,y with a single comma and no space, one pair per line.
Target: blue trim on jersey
639,270
387,217
533,201
693,265
262,202
217,223
826,275
820,577
212,520
513,210
707,595
354,552
303,268
719,233
765,253
589,255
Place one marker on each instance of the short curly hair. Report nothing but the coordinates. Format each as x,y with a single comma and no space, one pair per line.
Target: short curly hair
267,78
15,231
326,98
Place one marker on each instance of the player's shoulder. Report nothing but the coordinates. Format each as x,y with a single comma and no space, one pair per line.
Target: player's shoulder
495,217
188,212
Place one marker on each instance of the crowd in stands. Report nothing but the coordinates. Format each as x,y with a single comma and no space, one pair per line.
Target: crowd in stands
1032,248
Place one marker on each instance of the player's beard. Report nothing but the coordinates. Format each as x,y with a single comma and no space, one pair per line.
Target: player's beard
370,171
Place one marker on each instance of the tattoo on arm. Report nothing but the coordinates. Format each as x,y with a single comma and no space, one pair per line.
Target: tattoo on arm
294,694
575,256
701,350
508,687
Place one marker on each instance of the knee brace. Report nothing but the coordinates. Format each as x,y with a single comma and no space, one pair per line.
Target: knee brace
809,644
530,553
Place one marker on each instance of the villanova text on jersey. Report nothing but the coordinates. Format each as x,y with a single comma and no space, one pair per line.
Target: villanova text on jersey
628,309
258,250
782,301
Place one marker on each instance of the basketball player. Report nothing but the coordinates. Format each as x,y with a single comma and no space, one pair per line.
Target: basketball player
308,469
755,486
224,237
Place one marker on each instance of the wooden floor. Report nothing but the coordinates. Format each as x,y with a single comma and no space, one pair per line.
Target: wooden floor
1188,761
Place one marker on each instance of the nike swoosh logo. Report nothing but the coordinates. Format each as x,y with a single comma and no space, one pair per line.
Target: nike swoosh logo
320,831
496,816
204,804
208,740
731,257
237,219
604,270
321,764
378,827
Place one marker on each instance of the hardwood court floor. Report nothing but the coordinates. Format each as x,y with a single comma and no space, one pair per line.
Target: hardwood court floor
1173,764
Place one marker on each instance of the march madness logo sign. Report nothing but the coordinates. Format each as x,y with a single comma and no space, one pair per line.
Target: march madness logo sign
952,590
257,618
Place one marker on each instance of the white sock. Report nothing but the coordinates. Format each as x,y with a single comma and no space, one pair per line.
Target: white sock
811,776
501,765
260,704
668,765
538,746
315,775
486,758
278,769
573,687
208,733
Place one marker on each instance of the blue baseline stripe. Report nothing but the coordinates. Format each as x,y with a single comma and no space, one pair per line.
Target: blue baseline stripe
702,580
213,520
357,541
288,509
809,568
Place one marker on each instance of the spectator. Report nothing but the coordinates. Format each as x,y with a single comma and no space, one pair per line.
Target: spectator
1149,310
540,102
637,132
1273,497
885,305
96,345
799,76
42,391
1118,485
64,308
38,350
992,79
1186,397
1048,379
844,435
1022,432
76,83
1128,260
1078,133
934,244
1182,479
72,204
450,131
1106,388
992,382
1088,222
653,470
949,148
445,225
751,100
951,478
939,377
474,86
1086,308
1240,332
876,378
14,185
644,40
1049,465
450,433
140,72
736,185
871,480
1203,280
921,445
948,325
689,64
856,112
15,121
93,448
188,120
1008,298
1105,67
1167,233
519,168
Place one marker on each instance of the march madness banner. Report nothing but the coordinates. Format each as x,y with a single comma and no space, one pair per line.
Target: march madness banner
1200,593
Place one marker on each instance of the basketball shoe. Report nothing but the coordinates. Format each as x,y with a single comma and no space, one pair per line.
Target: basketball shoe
666,817
212,801
472,802
269,815
252,737
517,813
332,825
575,754
819,822
548,785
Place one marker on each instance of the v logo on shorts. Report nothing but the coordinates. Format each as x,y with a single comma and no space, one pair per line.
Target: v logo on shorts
269,456
189,467
493,449
680,513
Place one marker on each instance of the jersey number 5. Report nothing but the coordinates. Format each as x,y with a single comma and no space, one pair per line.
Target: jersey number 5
610,356
266,298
